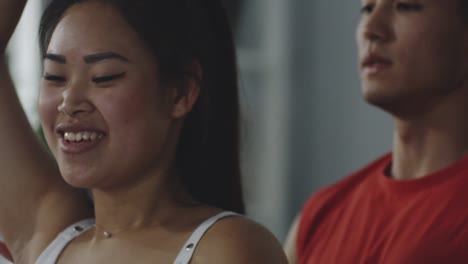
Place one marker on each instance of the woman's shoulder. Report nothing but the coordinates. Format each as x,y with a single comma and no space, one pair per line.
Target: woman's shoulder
238,239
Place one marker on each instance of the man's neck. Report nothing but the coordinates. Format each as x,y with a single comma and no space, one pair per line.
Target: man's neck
428,144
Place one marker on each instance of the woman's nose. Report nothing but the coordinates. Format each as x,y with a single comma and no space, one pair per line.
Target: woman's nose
75,101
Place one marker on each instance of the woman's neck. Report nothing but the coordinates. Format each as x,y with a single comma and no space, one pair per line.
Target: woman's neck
147,203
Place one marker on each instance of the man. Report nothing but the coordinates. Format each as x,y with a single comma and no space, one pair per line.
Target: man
410,206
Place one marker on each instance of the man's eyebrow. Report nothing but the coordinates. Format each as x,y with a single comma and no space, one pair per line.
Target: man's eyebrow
55,57
93,58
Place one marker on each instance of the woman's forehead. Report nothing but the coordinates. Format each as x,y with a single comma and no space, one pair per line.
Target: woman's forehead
93,27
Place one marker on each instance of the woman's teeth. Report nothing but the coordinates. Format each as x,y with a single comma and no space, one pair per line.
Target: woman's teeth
82,136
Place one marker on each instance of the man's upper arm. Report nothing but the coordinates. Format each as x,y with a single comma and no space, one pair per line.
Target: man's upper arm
290,245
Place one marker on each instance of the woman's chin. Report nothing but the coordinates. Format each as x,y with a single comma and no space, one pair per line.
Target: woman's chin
79,183
80,180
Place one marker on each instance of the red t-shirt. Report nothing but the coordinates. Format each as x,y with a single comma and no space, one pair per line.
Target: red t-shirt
370,218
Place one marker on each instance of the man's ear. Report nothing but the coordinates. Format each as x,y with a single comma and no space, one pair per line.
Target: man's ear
186,94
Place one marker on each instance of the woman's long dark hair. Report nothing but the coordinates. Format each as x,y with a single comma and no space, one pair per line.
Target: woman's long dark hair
180,32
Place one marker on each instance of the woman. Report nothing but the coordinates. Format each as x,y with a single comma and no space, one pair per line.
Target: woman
139,104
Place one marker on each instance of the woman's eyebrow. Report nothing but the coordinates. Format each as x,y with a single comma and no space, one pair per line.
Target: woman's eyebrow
94,58
88,59
56,58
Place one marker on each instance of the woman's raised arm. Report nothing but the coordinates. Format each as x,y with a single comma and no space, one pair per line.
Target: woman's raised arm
35,203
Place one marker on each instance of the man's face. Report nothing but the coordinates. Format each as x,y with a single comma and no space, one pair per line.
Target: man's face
411,52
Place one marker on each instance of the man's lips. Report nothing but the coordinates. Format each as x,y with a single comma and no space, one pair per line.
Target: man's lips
372,59
373,64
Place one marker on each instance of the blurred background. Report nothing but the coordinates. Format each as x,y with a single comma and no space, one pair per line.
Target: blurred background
305,124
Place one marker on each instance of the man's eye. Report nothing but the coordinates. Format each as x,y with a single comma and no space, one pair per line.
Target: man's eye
367,9
53,78
108,78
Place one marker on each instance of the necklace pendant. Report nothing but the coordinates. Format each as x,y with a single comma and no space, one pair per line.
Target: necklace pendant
107,234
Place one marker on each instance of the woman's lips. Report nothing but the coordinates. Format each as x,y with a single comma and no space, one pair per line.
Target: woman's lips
76,148
77,138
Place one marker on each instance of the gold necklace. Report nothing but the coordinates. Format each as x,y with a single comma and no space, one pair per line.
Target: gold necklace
108,234
105,233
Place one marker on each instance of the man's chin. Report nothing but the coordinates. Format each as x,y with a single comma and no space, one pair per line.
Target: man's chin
379,99
398,106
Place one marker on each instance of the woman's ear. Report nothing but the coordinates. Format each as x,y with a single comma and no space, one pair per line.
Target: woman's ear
186,95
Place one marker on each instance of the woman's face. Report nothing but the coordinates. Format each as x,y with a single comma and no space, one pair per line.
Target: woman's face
411,51
105,117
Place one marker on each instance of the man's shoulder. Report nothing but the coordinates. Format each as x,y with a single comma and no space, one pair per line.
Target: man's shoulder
326,201
344,187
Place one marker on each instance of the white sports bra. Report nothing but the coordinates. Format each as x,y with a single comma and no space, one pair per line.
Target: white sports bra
53,251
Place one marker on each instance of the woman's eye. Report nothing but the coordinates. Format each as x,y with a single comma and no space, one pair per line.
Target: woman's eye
108,78
402,6
367,9
53,78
